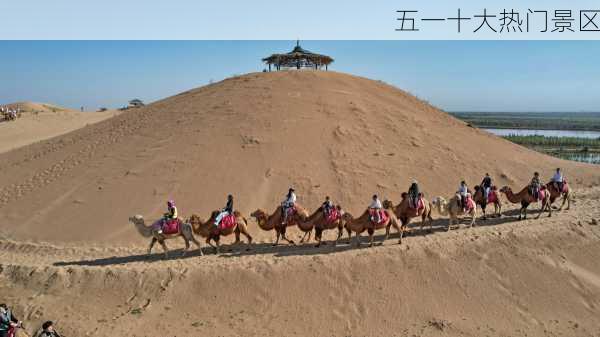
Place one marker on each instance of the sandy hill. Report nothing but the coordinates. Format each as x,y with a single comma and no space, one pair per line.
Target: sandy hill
324,133
33,107
40,121
68,254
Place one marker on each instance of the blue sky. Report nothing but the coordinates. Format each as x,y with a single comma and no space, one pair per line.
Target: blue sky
454,75
254,20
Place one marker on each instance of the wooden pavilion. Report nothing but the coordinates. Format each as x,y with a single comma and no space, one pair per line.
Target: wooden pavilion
298,58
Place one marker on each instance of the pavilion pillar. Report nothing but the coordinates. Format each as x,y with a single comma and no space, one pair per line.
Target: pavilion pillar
269,67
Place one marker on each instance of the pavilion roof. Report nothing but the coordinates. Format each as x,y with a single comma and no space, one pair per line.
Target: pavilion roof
298,54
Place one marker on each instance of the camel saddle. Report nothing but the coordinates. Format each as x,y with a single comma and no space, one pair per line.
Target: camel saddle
333,215
383,216
542,193
227,222
470,204
492,196
420,204
565,186
291,210
171,226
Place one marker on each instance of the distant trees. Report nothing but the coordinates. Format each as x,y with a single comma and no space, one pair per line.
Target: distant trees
552,141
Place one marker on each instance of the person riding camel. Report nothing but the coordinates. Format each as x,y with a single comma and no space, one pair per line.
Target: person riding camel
375,208
413,195
326,207
463,190
486,185
535,185
227,210
170,215
287,204
558,179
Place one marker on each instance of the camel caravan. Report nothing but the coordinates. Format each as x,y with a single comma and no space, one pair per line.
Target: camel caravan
328,216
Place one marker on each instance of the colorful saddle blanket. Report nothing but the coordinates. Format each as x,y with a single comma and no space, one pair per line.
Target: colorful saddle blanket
227,222
333,216
383,216
171,226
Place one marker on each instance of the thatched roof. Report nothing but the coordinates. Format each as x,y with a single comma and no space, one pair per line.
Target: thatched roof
299,57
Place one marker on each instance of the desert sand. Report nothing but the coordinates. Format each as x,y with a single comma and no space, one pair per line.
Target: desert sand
43,121
67,252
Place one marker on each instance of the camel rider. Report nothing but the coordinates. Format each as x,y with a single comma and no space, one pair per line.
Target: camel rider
534,185
486,185
170,215
557,179
327,206
227,210
413,195
376,207
287,204
463,190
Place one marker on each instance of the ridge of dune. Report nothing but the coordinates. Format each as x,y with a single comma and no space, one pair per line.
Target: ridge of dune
41,121
255,135
36,107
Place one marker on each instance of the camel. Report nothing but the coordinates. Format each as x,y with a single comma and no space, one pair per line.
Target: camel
454,210
493,197
321,224
269,222
525,198
212,233
555,194
363,222
185,231
405,213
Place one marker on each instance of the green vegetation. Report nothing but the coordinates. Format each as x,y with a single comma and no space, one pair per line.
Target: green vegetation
583,121
570,148
545,141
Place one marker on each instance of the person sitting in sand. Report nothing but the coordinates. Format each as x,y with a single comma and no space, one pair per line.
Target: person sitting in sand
48,330
375,209
413,195
227,210
287,204
8,322
170,215
535,185
326,207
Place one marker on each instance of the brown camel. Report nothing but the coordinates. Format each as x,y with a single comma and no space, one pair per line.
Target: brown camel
212,233
321,224
185,231
555,194
454,210
493,198
525,199
404,212
364,222
274,221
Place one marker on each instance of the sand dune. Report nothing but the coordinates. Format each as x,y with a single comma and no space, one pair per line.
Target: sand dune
506,278
40,121
253,136
67,252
